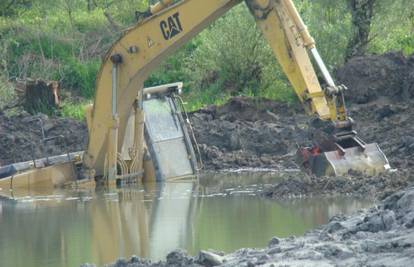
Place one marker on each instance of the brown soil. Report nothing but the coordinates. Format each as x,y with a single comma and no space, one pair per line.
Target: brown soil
21,137
250,133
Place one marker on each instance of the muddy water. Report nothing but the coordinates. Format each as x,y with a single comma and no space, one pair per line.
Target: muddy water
63,228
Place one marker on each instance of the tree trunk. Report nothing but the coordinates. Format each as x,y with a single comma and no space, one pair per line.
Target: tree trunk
362,13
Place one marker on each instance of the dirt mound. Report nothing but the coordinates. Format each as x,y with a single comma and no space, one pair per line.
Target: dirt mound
369,78
21,136
249,133
380,236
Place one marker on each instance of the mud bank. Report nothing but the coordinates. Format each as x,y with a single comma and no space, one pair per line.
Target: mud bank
250,133
380,236
21,137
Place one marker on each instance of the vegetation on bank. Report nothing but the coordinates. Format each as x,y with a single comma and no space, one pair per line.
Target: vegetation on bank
64,40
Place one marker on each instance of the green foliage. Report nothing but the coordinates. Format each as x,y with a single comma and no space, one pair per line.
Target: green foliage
393,26
7,93
230,54
173,69
233,58
81,76
11,8
406,44
201,98
329,22
74,110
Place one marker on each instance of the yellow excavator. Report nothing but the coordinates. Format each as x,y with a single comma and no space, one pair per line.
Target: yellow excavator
137,133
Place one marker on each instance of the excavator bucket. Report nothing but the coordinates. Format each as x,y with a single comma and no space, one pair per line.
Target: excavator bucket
348,154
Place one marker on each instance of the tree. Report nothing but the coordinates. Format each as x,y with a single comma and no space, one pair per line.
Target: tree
362,12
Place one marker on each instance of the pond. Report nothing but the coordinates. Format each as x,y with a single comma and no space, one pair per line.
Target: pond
222,212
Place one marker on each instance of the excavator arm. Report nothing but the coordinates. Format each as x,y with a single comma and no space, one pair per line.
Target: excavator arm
167,26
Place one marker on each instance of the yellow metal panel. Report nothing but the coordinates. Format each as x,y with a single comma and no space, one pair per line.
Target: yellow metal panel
47,177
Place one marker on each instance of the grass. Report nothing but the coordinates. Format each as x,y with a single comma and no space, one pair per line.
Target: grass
73,110
7,93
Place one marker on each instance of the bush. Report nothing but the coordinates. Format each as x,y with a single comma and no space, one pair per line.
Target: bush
233,58
73,110
80,76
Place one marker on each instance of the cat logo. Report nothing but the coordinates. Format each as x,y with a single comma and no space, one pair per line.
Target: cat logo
171,27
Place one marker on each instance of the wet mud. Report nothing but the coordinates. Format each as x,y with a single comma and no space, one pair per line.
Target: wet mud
247,133
21,137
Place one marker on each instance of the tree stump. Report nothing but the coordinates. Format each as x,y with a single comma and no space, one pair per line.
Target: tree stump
38,95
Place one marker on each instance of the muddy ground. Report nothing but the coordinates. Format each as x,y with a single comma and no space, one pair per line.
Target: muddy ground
380,236
21,137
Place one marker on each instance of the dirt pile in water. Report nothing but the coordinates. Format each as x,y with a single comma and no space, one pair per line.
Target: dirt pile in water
380,236
21,137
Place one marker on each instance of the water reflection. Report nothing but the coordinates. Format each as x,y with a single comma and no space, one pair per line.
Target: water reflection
69,228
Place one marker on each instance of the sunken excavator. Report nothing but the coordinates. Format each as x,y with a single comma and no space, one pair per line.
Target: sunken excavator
141,133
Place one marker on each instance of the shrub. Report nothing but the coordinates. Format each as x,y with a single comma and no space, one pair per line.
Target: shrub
80,76
73,110
233,58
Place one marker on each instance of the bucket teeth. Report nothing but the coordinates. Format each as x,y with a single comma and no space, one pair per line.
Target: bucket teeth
351,154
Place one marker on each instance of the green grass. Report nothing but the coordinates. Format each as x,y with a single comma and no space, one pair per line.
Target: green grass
7,93
73,110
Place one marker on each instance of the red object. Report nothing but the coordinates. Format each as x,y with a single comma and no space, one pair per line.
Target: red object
315,151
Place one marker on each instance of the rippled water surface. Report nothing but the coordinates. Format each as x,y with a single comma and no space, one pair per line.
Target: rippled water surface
224,212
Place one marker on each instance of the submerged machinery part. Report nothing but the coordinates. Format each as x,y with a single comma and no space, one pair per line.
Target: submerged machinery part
166,134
